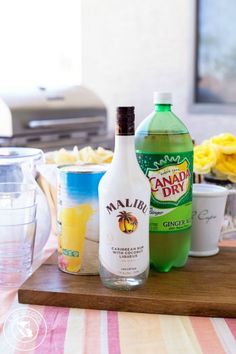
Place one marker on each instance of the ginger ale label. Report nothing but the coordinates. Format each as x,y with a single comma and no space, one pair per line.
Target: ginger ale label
170,176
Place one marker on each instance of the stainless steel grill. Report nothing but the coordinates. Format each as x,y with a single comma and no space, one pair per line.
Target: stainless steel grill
50,119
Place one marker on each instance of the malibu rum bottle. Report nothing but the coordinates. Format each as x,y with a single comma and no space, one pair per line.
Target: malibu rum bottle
165,153
124,198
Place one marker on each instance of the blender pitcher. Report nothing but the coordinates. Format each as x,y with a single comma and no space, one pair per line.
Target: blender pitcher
18,165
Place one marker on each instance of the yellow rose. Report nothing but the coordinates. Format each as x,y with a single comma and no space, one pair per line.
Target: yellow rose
205,157
226,165
226,143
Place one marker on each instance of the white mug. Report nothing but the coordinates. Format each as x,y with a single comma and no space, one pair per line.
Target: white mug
208,214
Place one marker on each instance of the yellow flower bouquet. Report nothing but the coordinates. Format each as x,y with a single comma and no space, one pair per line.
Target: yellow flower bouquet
217,156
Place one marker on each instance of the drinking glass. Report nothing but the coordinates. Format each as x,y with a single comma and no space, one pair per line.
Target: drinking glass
16,253
20,165
15,216
17,195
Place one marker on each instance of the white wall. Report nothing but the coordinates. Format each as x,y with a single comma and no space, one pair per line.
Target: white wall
131,48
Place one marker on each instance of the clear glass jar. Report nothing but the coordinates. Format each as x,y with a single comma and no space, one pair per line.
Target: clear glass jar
18,165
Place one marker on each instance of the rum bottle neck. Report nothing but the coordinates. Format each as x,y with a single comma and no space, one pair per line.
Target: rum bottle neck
124,149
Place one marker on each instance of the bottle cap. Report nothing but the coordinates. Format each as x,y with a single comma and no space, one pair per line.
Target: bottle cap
125,121
162,97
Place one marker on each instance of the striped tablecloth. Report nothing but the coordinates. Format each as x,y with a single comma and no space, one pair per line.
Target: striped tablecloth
76,331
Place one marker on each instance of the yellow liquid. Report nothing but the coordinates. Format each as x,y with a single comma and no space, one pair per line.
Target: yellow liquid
72,235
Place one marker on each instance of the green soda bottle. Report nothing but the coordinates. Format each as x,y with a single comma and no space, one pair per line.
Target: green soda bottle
165,153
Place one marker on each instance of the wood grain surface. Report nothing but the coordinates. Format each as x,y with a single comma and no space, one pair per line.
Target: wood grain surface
204,287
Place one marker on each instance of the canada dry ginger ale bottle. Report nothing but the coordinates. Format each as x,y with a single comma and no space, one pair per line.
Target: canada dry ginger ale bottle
165,153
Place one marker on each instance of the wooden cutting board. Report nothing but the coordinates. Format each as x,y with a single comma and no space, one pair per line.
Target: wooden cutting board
204,287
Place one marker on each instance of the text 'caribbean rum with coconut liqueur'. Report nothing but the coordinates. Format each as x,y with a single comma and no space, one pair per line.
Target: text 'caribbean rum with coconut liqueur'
124,199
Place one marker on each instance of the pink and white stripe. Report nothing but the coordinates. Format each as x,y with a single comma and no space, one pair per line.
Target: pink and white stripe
78,331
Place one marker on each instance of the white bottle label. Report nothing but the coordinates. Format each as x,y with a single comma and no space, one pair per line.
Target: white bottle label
124,235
